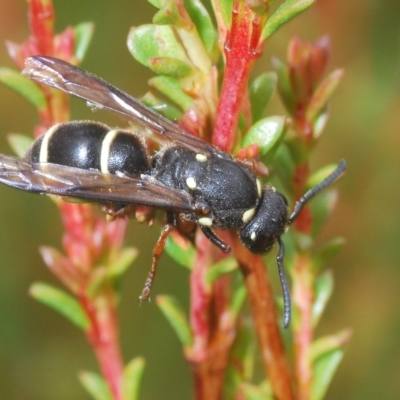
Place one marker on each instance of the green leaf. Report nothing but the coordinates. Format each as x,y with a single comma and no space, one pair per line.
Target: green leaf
320,175
243,350
200,17
170,67
184,256
61,302
176,317
171,87
284,166
122,262
323,94
321,208
24,86
326,354
153,41
241,360
133,374
83,36
168,14
253,392
319,123
238,299
326,344
284,84
156,3
19,143
223,12
323,288
285,12
327,252
324,371
162,107
95,385
223,267
261,91
267,133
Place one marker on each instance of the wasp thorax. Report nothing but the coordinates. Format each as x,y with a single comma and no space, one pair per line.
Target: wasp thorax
268,223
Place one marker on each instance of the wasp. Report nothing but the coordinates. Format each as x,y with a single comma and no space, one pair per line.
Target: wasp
187,177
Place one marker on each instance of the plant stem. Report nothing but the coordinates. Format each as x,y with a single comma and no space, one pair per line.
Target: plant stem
103,337
241,51
212,326
263,310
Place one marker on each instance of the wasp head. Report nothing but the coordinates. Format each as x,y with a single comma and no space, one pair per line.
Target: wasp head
268,224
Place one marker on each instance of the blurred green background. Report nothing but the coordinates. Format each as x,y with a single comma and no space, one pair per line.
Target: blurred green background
40,352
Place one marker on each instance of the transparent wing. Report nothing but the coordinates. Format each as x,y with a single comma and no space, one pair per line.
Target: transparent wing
46,178
73,80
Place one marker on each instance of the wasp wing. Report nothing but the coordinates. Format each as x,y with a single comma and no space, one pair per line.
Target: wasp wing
91,185
73,80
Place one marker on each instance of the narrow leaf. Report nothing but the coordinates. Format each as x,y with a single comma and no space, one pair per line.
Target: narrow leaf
200,17
320,175
261,91
321,208
170,67
323,288
176,317
61,302
238,299
223,13
241,360
123,261
162,107
171,87
133,373
83,36
183,253
326,354
253,392
156,3
323,94
327,252
288,10
328,343
25,87
284,84
19,143
324,371
95,385
168,14
319,122
220,268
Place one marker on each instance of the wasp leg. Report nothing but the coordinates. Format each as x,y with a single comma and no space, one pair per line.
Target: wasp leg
158,250
212,237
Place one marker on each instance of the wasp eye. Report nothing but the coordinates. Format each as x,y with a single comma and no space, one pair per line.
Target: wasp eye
268,224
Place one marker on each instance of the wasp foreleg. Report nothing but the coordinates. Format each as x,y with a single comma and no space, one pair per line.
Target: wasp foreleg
158,250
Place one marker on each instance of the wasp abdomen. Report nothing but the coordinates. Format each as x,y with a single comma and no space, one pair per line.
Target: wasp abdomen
91,145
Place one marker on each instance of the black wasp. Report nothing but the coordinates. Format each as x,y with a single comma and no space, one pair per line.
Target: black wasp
187,177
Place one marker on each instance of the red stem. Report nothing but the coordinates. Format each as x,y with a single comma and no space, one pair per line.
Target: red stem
103,337
263,309
212,327
241,51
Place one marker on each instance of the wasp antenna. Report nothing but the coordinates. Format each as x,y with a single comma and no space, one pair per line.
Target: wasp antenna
287,303
316,189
